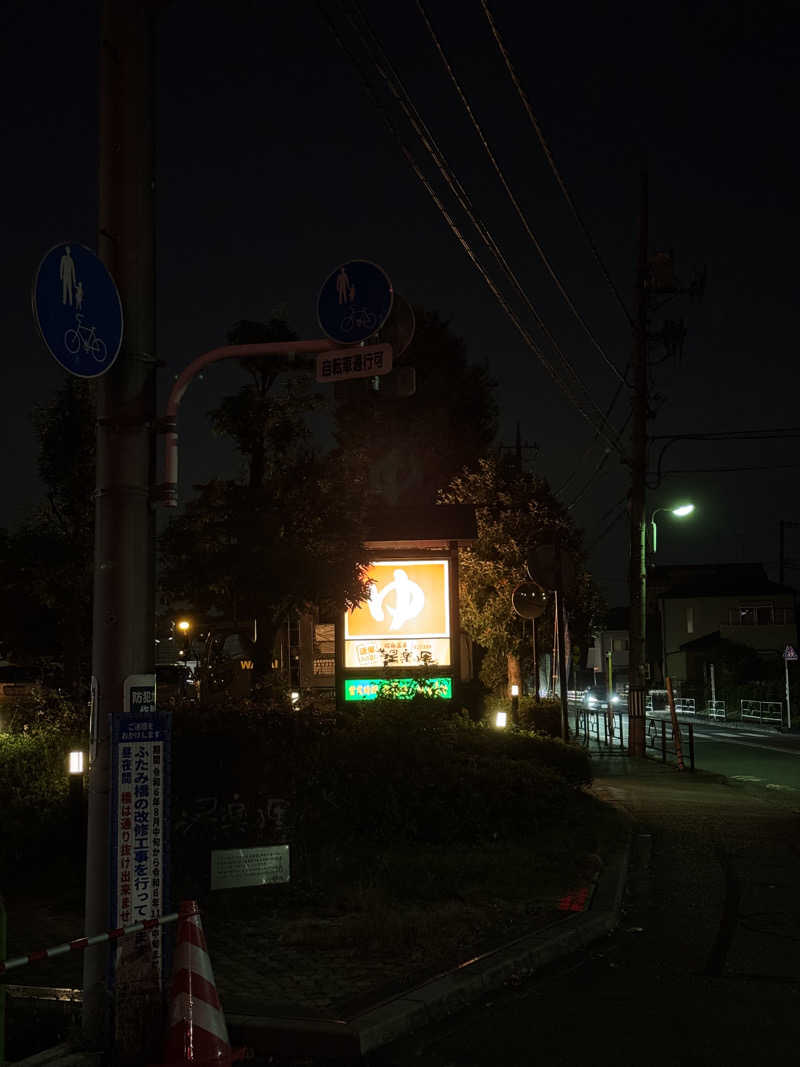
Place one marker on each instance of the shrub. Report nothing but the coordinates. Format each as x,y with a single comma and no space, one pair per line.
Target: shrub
33,790
544,716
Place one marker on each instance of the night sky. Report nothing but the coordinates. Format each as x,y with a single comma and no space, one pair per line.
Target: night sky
274,167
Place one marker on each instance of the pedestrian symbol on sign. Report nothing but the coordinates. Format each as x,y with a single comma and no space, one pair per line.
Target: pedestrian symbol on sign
789,653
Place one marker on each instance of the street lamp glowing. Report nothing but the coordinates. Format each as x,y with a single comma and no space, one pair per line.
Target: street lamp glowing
680,512
184,626
684,509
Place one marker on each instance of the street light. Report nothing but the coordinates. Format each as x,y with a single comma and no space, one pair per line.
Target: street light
680,512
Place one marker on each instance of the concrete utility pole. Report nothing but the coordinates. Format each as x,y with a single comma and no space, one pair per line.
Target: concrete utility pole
638,526
123,639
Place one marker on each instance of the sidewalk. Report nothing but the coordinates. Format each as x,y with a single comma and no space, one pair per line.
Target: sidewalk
704,966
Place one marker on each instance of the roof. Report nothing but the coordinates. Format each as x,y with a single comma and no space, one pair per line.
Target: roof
440,523
713,580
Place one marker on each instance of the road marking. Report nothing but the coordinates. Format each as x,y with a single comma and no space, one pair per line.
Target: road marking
744,778
788,788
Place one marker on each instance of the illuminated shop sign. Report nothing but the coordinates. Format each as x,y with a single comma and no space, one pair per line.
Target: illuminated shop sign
399,688
406,619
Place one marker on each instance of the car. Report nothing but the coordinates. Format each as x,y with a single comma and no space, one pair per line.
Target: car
596,698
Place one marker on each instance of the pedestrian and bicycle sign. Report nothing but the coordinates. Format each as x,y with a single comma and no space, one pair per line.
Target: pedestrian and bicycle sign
77,309
790,654
355,301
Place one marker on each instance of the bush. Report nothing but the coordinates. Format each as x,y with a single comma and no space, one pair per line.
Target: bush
46,709
399,771
544,716
33,791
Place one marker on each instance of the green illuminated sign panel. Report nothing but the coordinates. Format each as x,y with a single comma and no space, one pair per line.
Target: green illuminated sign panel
399,688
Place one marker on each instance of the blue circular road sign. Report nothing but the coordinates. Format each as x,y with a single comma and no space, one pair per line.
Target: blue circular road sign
355,301
78,311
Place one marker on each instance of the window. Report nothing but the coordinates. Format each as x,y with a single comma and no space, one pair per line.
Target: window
690,620
753,615
619,644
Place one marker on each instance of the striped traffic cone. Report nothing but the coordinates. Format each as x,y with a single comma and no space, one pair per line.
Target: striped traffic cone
197,1033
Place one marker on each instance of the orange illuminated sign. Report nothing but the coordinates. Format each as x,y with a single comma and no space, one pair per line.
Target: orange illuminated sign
408,599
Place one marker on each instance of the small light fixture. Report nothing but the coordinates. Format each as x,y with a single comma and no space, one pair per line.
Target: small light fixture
515,690
295,697
184,625
683,509
76,763
500,720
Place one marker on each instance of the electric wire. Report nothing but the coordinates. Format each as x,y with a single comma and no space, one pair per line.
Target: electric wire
509,192
606,531
402,97
562,184
592,443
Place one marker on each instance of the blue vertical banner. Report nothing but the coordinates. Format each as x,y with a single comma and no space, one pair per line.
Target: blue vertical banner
140,792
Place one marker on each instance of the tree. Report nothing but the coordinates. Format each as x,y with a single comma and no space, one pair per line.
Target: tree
286,536
416,444
515,510
46,565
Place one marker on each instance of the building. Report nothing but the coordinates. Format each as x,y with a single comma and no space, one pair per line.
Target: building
611,643
693,608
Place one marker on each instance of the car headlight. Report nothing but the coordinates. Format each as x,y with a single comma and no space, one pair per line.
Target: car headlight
615,699
591,700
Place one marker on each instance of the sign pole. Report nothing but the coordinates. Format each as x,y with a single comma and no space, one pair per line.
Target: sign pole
788,704
124,570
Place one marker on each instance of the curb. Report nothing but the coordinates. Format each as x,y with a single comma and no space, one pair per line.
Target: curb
446,993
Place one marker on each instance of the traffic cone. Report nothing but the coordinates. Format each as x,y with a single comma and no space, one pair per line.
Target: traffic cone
196,1033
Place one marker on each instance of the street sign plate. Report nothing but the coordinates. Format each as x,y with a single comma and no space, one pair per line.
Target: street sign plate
355,301
366,362
789,653
77,309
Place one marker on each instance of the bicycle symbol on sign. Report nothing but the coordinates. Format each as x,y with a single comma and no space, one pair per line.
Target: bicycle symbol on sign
84,337
358,319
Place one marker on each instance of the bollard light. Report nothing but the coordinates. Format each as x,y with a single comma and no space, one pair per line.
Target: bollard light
500,720
515,690
76,763
295,697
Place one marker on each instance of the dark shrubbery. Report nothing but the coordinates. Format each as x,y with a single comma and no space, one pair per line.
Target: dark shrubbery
40,730
388,772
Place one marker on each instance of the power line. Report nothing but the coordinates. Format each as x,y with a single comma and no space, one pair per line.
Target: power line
407,106
402,96
522,216
592,443
729,470
578,218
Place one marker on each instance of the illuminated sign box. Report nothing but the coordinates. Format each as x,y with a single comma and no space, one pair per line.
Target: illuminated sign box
399,688
405,622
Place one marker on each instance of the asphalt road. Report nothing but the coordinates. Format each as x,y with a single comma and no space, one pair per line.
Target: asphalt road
771,761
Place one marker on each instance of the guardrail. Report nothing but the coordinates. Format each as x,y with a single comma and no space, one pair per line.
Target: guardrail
605,727
715,709
762,710
660,737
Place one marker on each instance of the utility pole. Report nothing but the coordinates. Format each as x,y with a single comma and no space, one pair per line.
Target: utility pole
124,573
638,526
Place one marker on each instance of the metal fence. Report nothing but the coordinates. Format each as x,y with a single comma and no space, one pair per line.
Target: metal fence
715,709
661,740
605,728
762,710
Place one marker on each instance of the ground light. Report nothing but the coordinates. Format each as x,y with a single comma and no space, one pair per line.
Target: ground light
680,512
500,720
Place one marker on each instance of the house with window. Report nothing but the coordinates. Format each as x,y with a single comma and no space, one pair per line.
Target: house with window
694,607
